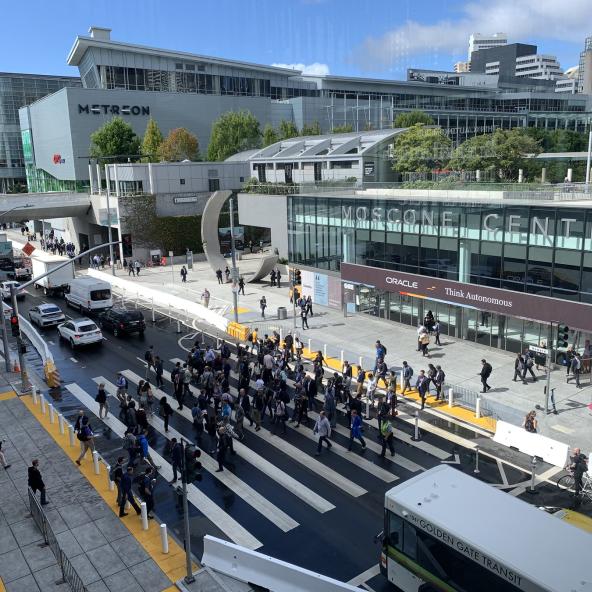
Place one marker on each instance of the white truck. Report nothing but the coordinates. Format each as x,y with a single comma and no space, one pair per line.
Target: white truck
56,282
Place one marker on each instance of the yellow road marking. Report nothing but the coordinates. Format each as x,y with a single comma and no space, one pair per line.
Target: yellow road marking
5,396
173,563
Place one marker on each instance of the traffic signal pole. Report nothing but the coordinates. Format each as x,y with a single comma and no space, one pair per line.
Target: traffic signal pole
549,366
189,571
25,386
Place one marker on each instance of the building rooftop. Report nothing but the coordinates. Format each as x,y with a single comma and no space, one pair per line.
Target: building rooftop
327,146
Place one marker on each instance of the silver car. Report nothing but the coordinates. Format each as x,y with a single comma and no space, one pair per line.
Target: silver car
46,315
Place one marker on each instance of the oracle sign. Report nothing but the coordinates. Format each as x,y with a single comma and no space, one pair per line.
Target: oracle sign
519,304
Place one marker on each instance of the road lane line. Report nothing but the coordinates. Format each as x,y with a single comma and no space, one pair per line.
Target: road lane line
292,485
365,576
228,525
74,360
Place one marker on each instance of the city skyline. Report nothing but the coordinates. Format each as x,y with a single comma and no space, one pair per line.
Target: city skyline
317,36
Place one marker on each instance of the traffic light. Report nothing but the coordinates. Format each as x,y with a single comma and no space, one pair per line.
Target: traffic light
14,325
562,336
192,465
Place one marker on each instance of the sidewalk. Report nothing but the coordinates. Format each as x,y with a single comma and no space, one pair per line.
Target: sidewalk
356,335
101,549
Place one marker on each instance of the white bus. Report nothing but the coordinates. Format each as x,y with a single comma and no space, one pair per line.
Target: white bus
448,531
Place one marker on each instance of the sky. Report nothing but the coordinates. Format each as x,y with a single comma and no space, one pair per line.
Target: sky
371,38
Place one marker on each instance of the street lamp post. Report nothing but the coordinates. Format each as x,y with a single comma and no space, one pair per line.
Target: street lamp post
588,160
234,269
13,293
110,232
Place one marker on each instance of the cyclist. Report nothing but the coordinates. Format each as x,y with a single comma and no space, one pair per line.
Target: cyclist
578,466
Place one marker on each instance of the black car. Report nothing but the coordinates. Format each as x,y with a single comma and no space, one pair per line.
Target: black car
122,321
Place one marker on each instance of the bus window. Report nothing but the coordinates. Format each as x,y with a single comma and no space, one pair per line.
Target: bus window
409,541
395,531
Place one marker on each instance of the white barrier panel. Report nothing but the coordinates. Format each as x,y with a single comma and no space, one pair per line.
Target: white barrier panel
262,570
551,451
163,299
36,340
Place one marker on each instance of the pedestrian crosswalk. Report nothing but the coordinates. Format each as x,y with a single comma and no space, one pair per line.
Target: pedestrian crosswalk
323,484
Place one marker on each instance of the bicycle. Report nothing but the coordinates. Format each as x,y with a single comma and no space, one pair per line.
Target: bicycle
568,482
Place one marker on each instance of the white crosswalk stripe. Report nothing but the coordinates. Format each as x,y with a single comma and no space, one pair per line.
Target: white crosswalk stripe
240,488
228,525
295,487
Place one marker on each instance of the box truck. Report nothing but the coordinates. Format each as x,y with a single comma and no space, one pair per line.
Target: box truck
56,282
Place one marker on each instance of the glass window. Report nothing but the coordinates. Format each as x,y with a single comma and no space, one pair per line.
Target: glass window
566,274
540,269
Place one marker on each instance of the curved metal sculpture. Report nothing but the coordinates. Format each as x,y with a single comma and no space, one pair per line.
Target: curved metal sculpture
210,220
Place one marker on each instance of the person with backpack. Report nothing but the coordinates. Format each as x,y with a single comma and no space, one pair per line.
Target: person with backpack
530,423
387,437
439,382
576,368
146,488
116,475
528,364
131,445
422,385
177,458
145,450
122,386
519,369
101,399
578,466
485,373
407,375
279,415
86,436
166,411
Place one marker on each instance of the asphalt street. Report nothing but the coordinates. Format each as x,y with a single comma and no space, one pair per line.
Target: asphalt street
331,529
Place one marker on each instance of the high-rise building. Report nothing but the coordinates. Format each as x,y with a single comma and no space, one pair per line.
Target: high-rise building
585,68
16,91
461,67
478,42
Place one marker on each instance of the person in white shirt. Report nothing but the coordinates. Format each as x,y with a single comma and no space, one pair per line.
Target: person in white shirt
323,429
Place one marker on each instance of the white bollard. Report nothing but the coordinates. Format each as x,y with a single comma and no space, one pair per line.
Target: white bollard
402,380
42,399
95,457
178,325
144,515
310,345
61,423
361,361
281,335
476,469
164,538
478,408
110,483
71,435
416,430
341,356
51,413
153,317
450,397
35,398
325,350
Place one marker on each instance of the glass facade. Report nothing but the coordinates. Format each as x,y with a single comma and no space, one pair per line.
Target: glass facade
40,181
543,250
19,90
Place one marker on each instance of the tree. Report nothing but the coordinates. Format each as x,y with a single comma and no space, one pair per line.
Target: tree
288,129
411,118
421,149
232,132
269,135
152,141
342,129
114,141
503,151
179,145
314,129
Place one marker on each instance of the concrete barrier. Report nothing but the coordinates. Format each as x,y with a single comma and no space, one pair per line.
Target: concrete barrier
163,299
265,571
551,451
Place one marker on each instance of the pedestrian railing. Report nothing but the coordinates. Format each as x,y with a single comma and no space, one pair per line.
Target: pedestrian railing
69,574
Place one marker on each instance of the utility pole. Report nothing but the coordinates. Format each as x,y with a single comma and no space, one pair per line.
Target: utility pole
234,269
110,232
549,366
189,571
293,280
5,341
25,386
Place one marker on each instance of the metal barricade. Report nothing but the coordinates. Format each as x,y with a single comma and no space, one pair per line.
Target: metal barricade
69,574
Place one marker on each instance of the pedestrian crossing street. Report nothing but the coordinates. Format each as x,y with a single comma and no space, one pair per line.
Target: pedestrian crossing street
277,478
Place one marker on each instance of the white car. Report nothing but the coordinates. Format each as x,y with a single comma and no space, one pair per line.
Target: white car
5,289
46,315
80,332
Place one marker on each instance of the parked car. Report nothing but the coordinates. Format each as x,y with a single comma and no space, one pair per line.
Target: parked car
122,321
46,315
5,289
79,332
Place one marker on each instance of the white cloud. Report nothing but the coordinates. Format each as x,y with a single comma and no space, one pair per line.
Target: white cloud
314,69
520,19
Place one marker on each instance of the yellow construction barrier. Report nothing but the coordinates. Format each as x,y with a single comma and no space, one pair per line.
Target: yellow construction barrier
52,375
238,331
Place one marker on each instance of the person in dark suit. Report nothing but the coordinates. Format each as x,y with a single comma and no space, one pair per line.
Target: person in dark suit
127,494
36,481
